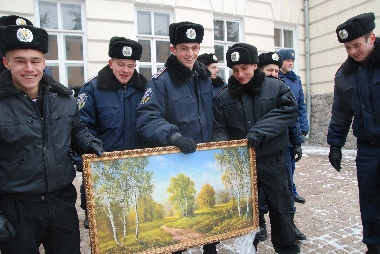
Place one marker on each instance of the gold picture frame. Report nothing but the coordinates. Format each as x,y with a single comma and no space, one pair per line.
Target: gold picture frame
159,200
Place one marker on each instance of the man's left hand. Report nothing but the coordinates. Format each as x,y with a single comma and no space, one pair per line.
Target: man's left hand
297,152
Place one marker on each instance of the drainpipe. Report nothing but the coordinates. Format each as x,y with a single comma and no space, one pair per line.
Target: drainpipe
307,46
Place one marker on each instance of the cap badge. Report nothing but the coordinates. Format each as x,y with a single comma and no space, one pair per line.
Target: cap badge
275,57
235,56
343,34
214,57
20,21
191,34
127,51
24,35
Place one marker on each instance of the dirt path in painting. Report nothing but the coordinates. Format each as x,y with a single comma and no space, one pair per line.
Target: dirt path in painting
182,235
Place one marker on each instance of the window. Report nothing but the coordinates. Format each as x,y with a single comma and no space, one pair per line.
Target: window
63,22
153,35
226,33
283,38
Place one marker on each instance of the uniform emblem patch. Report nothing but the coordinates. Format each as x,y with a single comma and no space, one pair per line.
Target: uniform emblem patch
191,34
127,51
81,100
20,21
343,34
24,35
235,56
275,57
148,94
215,58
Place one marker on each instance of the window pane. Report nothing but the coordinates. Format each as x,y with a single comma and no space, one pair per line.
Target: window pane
277,38
219,52
161,24
75,76
218,30
52,53
288,39
146,51
221,73
162,51
232,31
71,17
48,15
54,71
74,47
146,72
143,22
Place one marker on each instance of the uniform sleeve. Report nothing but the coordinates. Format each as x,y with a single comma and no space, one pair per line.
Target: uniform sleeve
302,111
280,118
341,118
150,114
221,131
295,135
87,106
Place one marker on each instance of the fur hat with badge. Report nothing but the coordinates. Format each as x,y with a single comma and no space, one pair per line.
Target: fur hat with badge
207,59
123,48
270,58
242,53
23,37
355,27
287,54
14,20
185,32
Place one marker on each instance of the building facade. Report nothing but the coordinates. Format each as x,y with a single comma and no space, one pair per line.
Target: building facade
80,30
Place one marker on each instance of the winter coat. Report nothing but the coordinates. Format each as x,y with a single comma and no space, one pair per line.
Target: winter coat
177,99
265,107
294,83
108,109
217,85
356,95
34,148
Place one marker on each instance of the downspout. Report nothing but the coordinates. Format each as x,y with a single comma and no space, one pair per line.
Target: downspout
307,46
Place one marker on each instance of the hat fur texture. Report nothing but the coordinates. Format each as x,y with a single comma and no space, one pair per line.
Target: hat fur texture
185,32
123,48
11,20
356,27
23,37
287,54
242,53
207,59
270,58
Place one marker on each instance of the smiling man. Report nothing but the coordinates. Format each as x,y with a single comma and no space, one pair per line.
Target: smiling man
39,124
356,98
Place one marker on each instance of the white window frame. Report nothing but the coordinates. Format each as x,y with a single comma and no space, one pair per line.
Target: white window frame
294,30
60,33
152,38
226,44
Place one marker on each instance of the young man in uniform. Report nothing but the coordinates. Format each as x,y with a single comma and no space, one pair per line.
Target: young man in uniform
177,105
260,109
356,98
39,124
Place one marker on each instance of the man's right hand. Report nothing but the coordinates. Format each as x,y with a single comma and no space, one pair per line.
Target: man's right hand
6,229
187,145
335,157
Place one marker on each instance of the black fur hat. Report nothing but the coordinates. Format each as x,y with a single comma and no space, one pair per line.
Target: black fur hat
123,48
208,59
11,20
23,37
270,58
184,32
355,27
242,53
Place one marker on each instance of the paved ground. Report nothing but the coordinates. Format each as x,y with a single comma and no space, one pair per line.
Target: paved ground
330,217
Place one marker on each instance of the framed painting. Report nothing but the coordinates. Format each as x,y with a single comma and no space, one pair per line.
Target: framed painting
159,200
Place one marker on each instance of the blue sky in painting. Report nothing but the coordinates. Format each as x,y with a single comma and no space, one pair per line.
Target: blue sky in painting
199,166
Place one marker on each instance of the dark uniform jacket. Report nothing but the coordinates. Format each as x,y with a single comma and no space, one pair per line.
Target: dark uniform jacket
177,99
34,151
108,108
265,106
356,94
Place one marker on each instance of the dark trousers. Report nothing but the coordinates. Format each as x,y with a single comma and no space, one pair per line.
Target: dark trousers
368,174
272,176
52,222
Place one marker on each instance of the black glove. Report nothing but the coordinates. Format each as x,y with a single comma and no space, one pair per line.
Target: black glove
79,167
6,229
335,157
253,139
305,133
187,145
297,152
95,146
